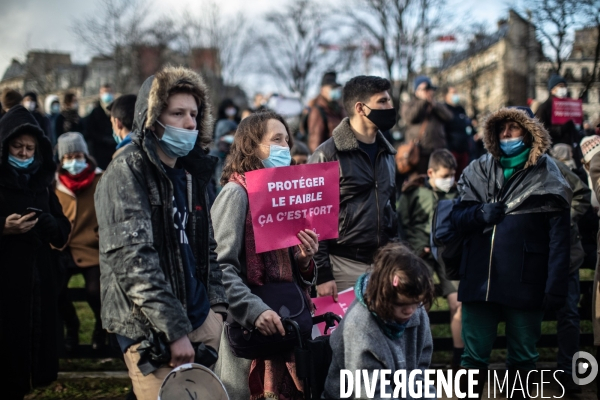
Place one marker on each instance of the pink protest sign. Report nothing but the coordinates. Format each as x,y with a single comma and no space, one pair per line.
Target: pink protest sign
326,304
565,110
285,200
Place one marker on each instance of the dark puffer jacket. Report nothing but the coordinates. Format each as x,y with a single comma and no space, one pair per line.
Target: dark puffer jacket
28,267
142,273
367,219
526,256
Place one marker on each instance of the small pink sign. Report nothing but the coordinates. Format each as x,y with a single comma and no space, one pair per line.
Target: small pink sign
326,304
286,200
565,110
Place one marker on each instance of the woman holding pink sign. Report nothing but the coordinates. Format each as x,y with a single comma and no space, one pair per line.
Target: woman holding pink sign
262,141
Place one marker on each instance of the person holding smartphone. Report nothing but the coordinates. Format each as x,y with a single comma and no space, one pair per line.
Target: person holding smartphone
31,221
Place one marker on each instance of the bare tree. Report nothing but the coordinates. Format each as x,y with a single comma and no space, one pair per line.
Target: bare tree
228,35
290,45
400,32
554,20
591,9
114,31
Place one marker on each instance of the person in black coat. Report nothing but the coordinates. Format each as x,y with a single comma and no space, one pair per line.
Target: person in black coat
29,272
514,213
30,102
68,120
98,129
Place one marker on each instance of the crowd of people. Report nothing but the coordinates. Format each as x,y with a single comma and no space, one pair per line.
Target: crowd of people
146,197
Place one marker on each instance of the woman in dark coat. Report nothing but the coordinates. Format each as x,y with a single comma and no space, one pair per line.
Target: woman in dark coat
514,211
29,282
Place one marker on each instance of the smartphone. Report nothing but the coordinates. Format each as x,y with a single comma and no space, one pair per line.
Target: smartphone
30,210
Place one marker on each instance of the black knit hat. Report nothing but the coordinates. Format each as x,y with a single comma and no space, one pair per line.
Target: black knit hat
330,79
555,80
33,96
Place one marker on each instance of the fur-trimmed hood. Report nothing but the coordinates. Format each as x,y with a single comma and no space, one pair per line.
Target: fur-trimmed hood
154,93
541,141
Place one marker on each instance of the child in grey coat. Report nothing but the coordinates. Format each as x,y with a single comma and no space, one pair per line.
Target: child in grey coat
386,327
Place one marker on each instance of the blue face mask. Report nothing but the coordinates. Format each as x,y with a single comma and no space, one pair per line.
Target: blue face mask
279,156
177,142
18,163
117,138
455,99
107,98
510,147
74,167
335,94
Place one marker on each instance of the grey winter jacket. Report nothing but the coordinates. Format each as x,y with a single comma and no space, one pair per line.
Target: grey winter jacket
582,200
359,344
142,272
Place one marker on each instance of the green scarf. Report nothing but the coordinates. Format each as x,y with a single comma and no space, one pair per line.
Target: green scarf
392,330
512,164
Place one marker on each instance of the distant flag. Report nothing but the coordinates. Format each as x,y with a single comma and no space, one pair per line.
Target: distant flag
446,38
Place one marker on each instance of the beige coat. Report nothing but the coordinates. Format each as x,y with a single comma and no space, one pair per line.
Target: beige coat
80,210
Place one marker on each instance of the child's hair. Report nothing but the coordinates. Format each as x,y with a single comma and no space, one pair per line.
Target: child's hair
414,280
442,158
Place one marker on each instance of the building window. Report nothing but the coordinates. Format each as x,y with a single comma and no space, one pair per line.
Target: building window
569,74
585,73
585,97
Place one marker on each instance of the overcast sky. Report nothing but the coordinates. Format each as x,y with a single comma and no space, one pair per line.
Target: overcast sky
46,24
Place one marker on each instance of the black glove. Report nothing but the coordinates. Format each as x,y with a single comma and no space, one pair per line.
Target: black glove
491,213
553,302
47,227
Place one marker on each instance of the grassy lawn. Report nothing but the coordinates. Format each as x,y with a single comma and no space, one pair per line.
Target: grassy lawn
112,389
548,327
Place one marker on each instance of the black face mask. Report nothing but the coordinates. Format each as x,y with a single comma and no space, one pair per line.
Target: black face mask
383,119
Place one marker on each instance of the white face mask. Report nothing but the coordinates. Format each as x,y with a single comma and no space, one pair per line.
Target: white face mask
230,112
30,105
561,93
444,184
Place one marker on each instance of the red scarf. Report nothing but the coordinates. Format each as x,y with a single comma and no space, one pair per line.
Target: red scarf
274,378
75,183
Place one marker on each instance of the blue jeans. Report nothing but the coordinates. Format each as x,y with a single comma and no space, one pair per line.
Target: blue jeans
567,327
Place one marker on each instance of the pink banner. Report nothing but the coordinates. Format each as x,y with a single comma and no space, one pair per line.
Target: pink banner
326,304
565,110
285,200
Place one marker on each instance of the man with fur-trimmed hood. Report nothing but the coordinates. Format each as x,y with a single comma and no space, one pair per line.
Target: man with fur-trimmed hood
514,215
159,272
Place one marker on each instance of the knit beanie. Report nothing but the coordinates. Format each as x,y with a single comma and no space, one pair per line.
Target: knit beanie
423,79
590,145
71,142
555,80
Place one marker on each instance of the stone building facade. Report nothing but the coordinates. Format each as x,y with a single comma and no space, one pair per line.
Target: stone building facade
577,71
496,70
47,73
